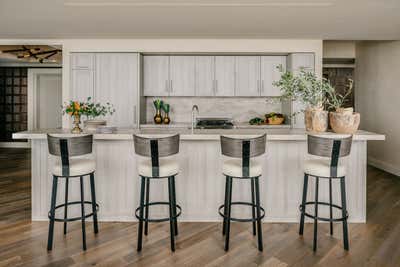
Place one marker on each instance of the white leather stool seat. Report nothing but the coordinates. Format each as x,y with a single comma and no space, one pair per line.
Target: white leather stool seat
168,167
233,167
77,166
321,167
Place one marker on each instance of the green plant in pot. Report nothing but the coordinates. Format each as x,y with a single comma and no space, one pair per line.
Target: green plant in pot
93,111
166,108
158,103
343,120
311,91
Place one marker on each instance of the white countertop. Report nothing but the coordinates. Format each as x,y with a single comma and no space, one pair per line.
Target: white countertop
200,134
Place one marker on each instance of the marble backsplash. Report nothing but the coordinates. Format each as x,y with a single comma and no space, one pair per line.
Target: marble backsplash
241,109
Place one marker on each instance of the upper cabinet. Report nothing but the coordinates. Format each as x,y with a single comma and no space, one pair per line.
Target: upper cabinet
156,75
224,76
298,61
182,75
248,76
108,77
270,74
117,83
204,75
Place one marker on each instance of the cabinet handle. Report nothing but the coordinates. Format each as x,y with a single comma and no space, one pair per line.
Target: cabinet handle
170,87
262,86
258,87
216,86
135,115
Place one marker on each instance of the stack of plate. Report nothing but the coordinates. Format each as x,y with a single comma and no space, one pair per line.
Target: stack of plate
106,129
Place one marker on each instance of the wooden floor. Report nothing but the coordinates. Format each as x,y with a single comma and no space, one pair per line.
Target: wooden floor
23,243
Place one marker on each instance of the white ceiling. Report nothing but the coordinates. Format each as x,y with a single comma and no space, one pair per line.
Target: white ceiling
316,19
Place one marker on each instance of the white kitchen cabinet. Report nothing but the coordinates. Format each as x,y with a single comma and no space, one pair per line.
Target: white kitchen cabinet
270,73
296,62
82,61
247,76
224,75
156,80
116,79
204,75
181,76
82,84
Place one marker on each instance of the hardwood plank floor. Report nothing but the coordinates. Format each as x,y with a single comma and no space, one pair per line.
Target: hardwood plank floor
23,243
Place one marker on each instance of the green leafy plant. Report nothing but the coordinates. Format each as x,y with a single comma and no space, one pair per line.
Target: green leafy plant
305,87
74,108
93,110
158,103
335,100
165,107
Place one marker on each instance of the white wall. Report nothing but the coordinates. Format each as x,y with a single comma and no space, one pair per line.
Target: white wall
378,100
339,49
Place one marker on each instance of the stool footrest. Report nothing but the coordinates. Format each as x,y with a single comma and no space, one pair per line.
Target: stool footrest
75,218
302,210
160,219
242,219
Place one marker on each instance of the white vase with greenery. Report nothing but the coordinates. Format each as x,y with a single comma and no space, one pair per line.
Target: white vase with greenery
94,112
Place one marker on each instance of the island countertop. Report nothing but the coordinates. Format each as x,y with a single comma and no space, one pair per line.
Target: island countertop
201,134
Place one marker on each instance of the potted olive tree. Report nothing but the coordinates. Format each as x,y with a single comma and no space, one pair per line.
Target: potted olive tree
342,120
93,111
311,91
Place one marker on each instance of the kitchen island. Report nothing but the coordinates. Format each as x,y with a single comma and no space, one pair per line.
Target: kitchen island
200,183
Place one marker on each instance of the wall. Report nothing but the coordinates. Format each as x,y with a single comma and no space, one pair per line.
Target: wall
339,49
378,98
174,45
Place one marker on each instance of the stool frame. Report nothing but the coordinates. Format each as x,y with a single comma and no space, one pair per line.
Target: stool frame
66,147
244,149
156,148
333,148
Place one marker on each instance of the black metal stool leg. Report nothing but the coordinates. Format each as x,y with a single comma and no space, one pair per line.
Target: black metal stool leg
83,214
253,209
225,204
259,223
330,205
93,192
344,214
171,214
66,204
146,223
174,204
316,213
141,203
303,202
228,213
52,213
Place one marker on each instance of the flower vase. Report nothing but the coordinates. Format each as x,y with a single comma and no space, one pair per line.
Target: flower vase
157,118
77,121
166,119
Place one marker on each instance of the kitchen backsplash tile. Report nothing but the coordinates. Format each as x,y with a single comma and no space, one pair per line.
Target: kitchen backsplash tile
240,109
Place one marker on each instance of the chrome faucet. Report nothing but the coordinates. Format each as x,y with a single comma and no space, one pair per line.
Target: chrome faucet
195,107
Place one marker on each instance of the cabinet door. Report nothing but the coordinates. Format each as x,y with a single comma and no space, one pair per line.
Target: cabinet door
156,75
82,61
224,75
247,76
204,75
270,73
117,83
82,84
181,71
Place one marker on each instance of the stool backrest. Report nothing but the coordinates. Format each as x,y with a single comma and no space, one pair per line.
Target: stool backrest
244,148
333,148
156,148
69,146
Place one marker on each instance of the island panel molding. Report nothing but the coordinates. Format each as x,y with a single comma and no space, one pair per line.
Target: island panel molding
200,181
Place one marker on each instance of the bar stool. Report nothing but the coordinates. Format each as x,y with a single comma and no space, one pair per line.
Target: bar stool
67,165
326,166
157,164
241,166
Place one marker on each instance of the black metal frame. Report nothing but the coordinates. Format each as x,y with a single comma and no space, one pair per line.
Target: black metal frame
142,212
82,202
258,212
333,172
